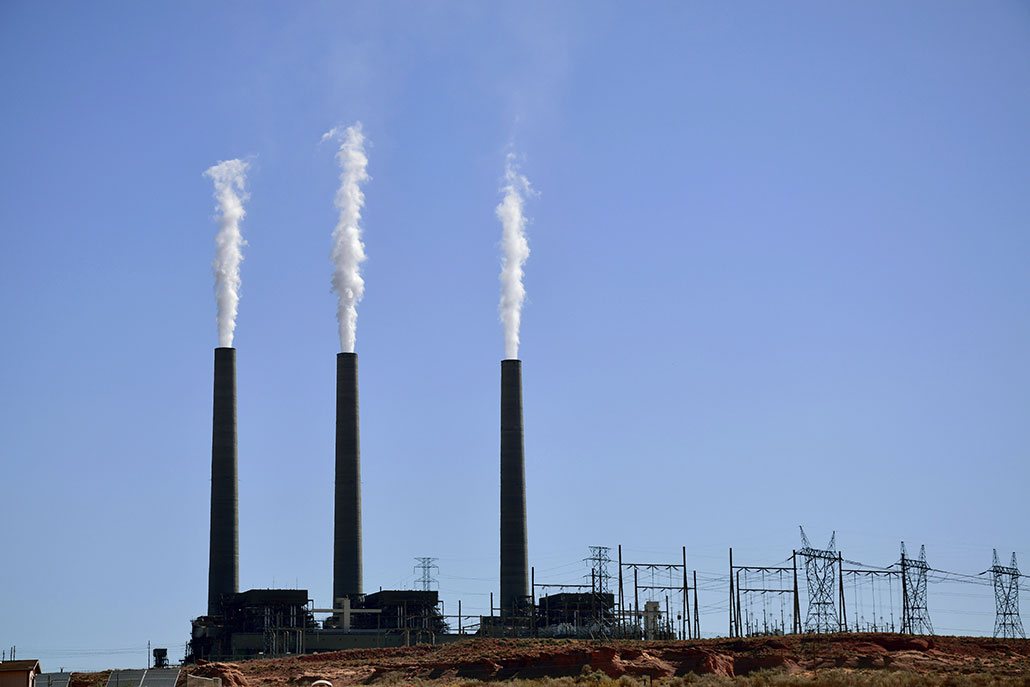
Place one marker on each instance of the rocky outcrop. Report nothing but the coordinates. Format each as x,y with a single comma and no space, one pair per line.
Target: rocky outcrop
506,659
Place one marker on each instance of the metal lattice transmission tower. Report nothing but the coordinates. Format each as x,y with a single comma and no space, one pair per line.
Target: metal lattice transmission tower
426,564
915,617
1006,599
821,575
599,559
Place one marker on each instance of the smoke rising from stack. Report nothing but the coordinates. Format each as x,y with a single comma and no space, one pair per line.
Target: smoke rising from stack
229,178
348,252
516,250
514,540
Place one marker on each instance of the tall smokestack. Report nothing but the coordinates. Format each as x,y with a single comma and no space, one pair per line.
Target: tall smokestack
514,549
347,538
224,561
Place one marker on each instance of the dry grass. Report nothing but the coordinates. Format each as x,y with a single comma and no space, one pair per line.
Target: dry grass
828,678
90,679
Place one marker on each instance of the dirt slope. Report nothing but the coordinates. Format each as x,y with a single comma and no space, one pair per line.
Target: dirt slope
503,659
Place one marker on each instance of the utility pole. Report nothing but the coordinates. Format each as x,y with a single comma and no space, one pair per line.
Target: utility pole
797,597
686,599
697,614
622,605
732,610
904,592
636,598
840,578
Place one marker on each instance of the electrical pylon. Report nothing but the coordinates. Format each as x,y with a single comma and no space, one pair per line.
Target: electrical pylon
599,560
821,575
1006,599
915,617
426,564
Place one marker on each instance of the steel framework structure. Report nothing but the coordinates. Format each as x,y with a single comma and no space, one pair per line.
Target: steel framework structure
426,564
915,617
873,577
821,576
1006,599
600,577
740,624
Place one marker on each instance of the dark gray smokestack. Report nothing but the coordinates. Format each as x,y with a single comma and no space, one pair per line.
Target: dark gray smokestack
514,550
224,560
347,540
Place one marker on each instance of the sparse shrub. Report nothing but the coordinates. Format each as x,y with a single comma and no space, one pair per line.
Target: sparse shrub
590,676
844,678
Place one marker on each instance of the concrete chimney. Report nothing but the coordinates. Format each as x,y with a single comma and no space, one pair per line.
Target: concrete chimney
514,549
347,536
224,559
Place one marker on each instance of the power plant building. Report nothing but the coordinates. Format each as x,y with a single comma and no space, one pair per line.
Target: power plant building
283,621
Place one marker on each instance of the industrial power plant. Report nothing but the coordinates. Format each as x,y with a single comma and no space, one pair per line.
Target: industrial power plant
275,621
764,599
268,622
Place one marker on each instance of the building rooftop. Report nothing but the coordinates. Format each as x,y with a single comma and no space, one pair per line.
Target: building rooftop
11,666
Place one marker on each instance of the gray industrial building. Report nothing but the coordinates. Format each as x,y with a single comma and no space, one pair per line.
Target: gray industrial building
572,614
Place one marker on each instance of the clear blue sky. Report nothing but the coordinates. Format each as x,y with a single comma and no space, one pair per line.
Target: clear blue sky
778,276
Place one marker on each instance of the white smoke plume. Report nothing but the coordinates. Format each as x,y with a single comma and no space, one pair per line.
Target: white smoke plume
348,251
229,178
516,250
